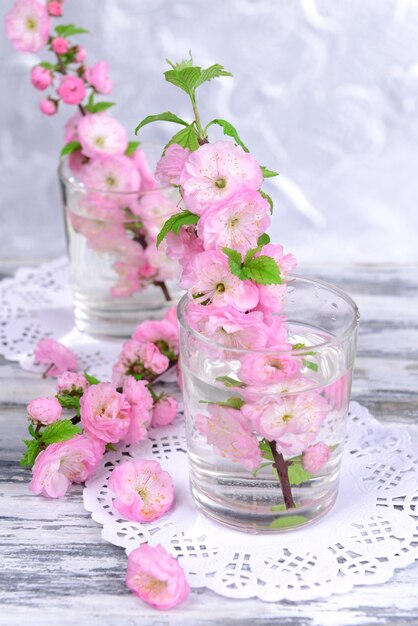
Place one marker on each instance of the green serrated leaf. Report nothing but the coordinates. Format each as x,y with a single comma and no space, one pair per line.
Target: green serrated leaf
167,116
263,240
263,270
214,71
184,77
297,474
310,365
268,173
228,130
102,106
232,403
187,138
269,200
92,380
68,401
132,147
250,254
33,447
185,218
235,262
62,430
71,147
32,431
67,30
230,382
265,449
288,521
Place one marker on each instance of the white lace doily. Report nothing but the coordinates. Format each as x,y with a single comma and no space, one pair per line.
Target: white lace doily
371,530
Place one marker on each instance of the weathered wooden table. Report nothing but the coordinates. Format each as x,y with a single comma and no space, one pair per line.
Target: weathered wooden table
56,570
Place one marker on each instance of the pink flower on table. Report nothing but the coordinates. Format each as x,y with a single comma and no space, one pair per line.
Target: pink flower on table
105,413
144,492
41,78
98,77
170,166
138,359
156,577
27,25
61,464
141,403
60,45
44,410
48,106
56,356
268,369
70,382
71,90
216,171
139,159
228,326
315,457
55,8
230,433
237,223
101,134
164,412
112,173
162,333
211,281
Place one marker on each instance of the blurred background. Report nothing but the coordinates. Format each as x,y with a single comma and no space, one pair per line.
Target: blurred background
324,91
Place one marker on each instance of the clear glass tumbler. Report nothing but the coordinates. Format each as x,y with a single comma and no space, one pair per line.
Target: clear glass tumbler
118,276
265,428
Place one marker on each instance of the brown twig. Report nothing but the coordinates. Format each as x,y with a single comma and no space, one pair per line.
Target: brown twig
281,466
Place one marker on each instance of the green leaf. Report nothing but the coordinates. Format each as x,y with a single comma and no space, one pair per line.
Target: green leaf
47,66
214,71
310,365
230,382
265,450
228,130
263,270
269,200
288,521
62,430
278,507
184,77
187,138
33,447
67,30
132,146
161,117
263,240
185,218
92,380
102,106
71,147
250,254
232,403
259,469
68,401
297,474
235,262
109,447
32,431
268,173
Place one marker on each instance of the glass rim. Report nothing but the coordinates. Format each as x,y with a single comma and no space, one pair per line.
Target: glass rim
65,179
298,352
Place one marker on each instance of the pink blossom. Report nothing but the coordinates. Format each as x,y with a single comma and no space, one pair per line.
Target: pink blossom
237,223
315,457
141,403
212,281
58,358
228,326
128,281
41,78
112,173
105,413
48,106
292,421
268,369
164,268
278,331
165,410
170,316
161,333
156,577
71,127
70,382
337,392
229,432
55,8
216,171
98,77
170,166
139,159
138,359
101,134
44,410
184,246
61,464
60,45
271,296
154,208
81,54
28,25
71,90
144,492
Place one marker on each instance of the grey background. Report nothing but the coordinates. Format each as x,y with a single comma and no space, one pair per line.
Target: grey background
324,91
